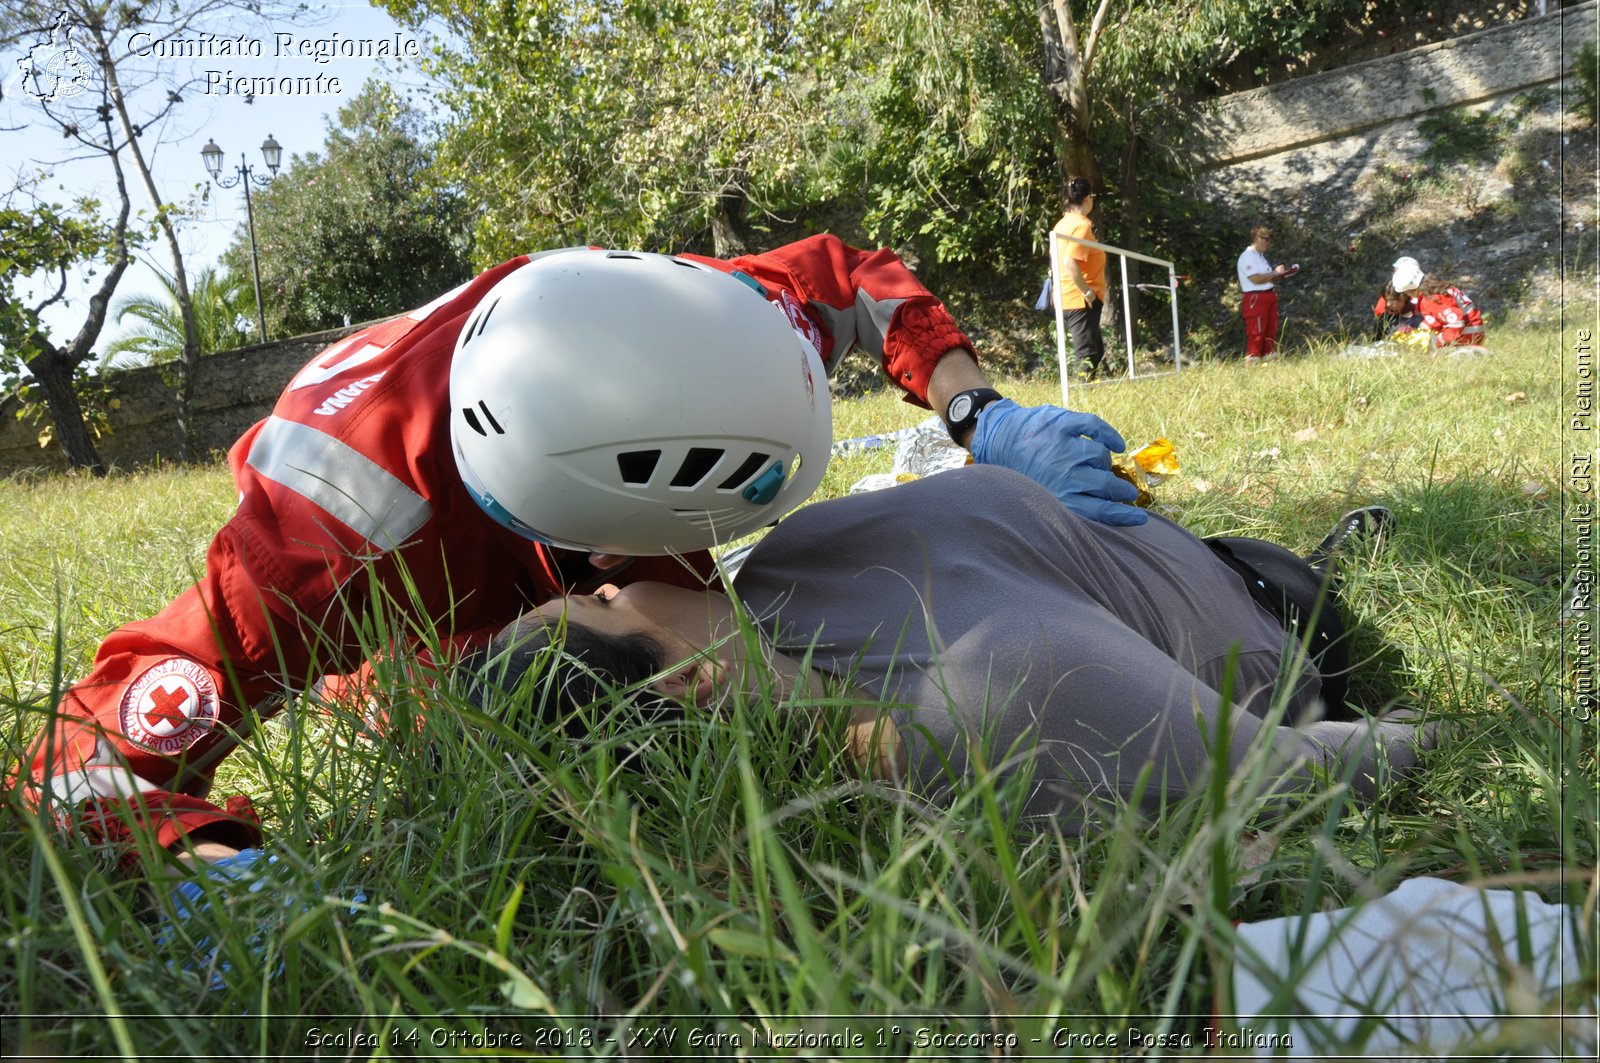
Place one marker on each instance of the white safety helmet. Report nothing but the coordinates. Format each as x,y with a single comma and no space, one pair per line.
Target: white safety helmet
1407,274
639,404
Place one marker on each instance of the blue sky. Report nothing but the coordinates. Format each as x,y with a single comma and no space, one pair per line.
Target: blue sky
29,142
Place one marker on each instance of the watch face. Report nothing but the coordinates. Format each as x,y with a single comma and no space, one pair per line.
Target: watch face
960,407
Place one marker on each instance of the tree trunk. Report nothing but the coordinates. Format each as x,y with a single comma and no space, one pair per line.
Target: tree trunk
189,357
728,238
1066,71
66,412
1128,196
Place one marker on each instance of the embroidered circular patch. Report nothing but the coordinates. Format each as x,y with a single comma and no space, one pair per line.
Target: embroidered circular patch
801,322
170,707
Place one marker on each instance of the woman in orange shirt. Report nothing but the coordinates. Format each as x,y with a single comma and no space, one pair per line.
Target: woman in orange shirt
1081,288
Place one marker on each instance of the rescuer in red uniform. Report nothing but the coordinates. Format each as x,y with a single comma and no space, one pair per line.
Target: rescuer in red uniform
460,459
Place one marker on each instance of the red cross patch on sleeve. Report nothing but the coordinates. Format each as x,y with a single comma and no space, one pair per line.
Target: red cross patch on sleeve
801,322
170,707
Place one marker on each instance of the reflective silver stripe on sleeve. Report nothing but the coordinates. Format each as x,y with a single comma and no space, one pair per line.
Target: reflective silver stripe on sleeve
841,325
872,321
352,488
72,788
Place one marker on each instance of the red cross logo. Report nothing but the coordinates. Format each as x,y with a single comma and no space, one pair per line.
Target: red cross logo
166,706
170,707
801,322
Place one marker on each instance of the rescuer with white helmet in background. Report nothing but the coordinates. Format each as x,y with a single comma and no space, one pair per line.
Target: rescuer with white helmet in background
1422,306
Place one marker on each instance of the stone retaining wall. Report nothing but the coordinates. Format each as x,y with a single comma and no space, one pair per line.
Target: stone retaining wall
233,390
1340,103
1317,157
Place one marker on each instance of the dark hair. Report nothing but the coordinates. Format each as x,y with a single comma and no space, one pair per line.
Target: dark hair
574,667
1078,190
1433,285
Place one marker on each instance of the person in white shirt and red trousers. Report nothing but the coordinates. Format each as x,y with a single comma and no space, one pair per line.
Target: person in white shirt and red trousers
1258,279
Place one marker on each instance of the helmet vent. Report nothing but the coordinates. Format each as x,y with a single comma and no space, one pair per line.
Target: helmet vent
484,406
711,519
478,323
471,416
637,466
752,465
483,322
621,254
697,465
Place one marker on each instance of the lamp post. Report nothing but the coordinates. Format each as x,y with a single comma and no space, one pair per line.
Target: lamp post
272,153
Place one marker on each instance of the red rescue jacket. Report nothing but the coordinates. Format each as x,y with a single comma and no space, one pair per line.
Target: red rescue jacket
1451,315
348,492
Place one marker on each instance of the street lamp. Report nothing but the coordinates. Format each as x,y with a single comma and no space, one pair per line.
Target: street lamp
272,153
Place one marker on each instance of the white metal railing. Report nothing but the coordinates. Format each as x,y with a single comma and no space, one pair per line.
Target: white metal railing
1171,288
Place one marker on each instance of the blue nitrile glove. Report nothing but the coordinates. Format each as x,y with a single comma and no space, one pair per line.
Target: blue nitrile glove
1066,451
251,868
190,897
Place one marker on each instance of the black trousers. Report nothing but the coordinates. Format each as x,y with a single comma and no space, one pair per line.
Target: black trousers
1084,327
1286,586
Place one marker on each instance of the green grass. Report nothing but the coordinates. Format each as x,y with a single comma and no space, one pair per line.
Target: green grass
722,875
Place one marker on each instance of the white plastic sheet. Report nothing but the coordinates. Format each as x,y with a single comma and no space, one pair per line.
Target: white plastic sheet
1438,965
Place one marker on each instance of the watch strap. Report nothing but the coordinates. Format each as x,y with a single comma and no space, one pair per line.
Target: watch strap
961,415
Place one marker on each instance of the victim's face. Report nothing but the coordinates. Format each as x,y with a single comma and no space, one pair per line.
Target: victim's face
686,622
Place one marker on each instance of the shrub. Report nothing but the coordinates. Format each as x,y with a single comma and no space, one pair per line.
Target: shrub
1586,72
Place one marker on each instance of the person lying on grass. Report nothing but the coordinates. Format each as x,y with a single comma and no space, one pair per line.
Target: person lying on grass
463,459
987,616
979,622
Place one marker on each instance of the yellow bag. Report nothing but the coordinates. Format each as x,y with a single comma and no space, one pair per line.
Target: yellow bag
1146,467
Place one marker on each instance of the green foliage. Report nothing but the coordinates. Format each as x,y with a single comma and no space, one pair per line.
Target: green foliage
96,400
1586,72
1461,135
224,309
962,155
360,231
1301,36
1165,49
705,124
628,123
957,116
39,248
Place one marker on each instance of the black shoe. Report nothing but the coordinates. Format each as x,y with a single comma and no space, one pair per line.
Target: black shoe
1359,525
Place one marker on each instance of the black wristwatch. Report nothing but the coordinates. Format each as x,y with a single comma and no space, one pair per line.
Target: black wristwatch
961,416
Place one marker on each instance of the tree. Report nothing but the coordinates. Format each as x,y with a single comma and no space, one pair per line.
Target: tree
222,305
133,95
977,102
634,123
46,243
381,237
1139,65
954,146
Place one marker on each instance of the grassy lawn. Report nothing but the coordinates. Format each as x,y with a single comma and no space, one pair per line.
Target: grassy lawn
724,876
